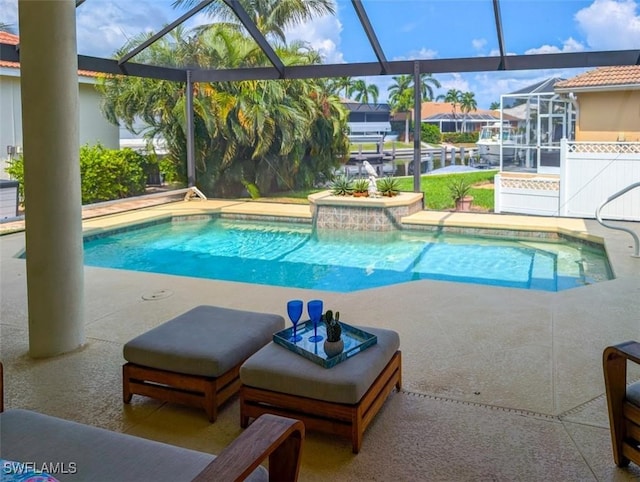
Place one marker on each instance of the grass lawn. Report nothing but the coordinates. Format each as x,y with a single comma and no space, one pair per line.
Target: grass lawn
436,189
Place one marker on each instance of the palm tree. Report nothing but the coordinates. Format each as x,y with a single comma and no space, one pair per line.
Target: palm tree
467,104
453,96
427,83
494,106
340,84
401,98
272,17
250,135
362,91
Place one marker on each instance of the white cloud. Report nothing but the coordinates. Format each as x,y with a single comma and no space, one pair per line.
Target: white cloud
103,26
610,24
422,54
453,81
9,15
323,35
478,43
569,45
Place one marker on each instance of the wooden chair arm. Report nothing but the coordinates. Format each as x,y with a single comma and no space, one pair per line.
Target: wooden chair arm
277,437
629,350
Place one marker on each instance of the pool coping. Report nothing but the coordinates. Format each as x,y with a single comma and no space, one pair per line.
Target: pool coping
455,222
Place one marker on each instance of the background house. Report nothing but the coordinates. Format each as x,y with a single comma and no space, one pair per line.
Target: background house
451,119
602,160
368,119
94,127
608,100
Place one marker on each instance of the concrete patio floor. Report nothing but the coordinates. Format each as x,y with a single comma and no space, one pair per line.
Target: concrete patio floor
498,383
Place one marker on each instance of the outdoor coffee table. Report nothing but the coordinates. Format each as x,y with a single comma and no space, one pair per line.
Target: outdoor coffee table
341,400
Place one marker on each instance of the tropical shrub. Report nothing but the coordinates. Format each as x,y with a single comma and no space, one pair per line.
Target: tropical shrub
361,186
111,174
389,186
341,186
460,137
430,134
459,188
106,173
15,169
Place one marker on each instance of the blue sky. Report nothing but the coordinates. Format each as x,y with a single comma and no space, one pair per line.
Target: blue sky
407,29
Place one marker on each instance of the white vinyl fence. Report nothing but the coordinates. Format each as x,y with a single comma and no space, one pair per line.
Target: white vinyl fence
590,172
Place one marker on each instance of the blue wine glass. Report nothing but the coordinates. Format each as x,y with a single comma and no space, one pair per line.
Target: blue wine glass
294,310
314,307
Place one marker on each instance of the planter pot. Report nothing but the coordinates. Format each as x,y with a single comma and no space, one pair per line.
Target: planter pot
333,348
464,204
360,194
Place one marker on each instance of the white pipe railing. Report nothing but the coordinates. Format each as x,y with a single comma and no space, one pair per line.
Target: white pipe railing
636,252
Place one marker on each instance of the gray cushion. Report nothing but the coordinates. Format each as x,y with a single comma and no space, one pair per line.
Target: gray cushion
277,369
98,454
207,340
633,393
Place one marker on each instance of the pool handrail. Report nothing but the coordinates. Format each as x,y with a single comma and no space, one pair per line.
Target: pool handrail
636,252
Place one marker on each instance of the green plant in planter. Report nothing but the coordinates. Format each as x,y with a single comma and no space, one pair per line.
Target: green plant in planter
361,186
389,186
459,189
341,186
334,330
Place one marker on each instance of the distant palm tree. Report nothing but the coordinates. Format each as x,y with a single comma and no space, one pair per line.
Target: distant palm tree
341,84
494,106
401,97
362,91
467,104
427,83
454,97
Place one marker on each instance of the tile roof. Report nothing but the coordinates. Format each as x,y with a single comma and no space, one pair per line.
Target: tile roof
604,77
430,109
11,39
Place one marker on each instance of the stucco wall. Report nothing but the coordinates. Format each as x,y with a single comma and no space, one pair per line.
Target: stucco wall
93,126
609,116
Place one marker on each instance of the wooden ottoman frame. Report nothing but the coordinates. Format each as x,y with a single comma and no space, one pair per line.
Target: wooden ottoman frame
193,390
341,419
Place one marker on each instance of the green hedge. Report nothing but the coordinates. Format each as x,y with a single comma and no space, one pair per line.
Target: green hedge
107,174
430,134
460,137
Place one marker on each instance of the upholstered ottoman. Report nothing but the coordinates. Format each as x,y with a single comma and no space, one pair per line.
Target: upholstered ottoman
194,359
341,400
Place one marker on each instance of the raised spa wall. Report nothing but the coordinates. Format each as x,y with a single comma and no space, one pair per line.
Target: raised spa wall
363,213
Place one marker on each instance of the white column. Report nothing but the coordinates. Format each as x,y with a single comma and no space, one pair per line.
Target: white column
49,86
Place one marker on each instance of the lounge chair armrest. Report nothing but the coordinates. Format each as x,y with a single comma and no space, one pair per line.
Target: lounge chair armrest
629,350
272,436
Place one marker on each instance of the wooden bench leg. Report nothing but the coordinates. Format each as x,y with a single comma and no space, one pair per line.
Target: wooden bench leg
126,389
211,403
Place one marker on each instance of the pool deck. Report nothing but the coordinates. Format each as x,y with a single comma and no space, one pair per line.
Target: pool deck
498,383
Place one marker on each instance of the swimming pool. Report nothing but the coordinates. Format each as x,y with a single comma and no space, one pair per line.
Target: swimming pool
293,255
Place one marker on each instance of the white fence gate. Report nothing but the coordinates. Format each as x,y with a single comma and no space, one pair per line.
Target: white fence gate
590,172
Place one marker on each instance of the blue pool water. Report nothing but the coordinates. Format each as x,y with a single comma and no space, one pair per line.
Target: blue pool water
282,254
